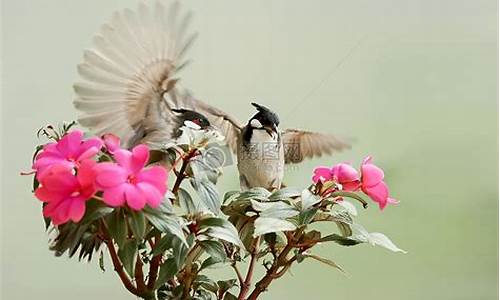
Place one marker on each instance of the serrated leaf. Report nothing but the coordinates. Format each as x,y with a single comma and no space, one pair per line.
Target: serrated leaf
229,195
256,193
378,239
350,195
285,193
229,296
165,222
117,226
127,255
101,262
326,261
137,224
186,201
265,225
278,210
94,210
208,194
309,199
348,206
215,249
167,271
221,229
341,240
307,216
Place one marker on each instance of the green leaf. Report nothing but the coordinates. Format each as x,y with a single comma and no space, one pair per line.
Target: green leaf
167,271
350,195
209,196
221,229
94,210
209,262
309,199
307,216
225,285
326,261
375,239
137,224
285,193
348,206
101,262
186,201
165,222
265,225
127,255
256,193
278,210
229,196
341,240
117,226
229,296
215,249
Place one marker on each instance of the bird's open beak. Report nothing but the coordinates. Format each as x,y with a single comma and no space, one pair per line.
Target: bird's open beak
271,130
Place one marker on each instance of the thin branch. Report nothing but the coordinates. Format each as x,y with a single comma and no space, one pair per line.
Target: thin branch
182,172
248,279
280,262
155,265
116,261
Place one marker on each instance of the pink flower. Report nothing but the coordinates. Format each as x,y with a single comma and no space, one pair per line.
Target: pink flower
65,193
69,152
128,181
112,142
322,174
347,176
373,185
343,174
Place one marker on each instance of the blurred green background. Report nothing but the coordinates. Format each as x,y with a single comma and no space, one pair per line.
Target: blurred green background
414,82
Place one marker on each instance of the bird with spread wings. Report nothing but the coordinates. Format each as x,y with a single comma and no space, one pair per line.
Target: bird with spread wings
128,84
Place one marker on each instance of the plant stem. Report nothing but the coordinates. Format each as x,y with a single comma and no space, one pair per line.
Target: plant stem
274,271
182,172
154,266
245,286
116,261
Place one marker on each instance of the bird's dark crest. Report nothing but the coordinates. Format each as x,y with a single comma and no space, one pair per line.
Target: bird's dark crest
267,113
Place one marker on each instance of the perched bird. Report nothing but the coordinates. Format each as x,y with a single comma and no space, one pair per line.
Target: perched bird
130,87
261,154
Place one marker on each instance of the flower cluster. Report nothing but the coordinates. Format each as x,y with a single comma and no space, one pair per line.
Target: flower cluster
370,180
69,175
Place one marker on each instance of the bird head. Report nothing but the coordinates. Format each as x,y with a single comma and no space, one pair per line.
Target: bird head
264,119
192,116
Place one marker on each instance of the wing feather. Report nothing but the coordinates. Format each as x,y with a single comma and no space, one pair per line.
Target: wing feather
125,76
301,144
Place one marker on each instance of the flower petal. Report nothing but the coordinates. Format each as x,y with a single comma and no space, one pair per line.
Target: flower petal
76,210
371,175
45,195
152,195
112,142
110,175
156,175
123,158
378,193
69,144
345,173
86,173
114,196
135,198
140,156
322,174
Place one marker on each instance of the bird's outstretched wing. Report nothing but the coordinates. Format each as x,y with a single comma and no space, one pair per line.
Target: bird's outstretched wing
301,144
129,76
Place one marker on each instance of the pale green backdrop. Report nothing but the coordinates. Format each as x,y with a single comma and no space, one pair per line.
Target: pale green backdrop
414,82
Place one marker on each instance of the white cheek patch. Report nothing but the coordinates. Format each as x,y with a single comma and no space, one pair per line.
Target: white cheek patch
255,123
